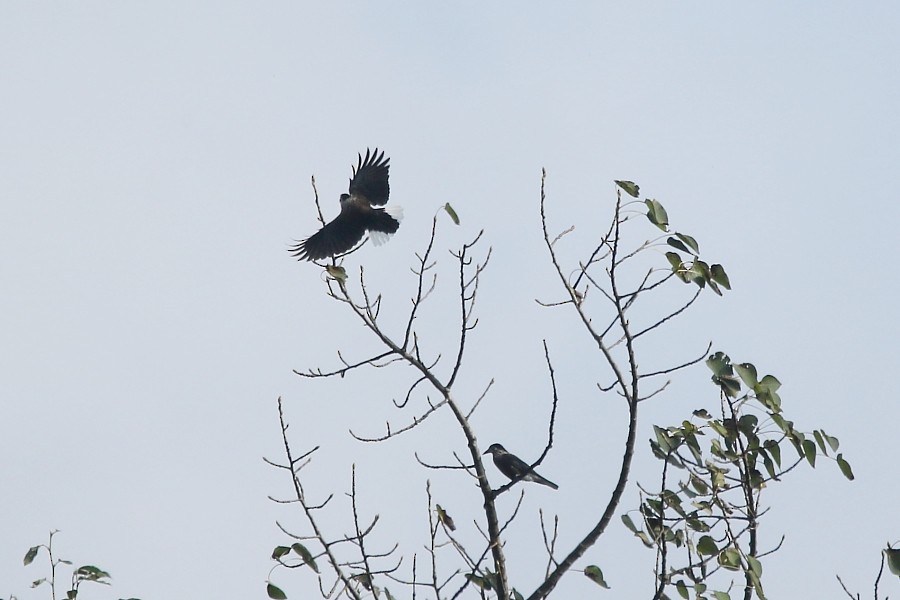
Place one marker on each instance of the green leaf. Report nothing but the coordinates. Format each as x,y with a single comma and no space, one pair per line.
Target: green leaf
702,413
38,582
678,245
31,554
275,592
594,573
845,467
307,557
729,385
388,594
721,596
365,579
675,261
767,461
774,450
717,273
755,566
666,443
682,589
630,187
809,450
747,373
629,523
657,214
690,242
719,364
516,595
730,559
820,441
280,551
771,383
893,559
833,442
452,213
481,582
706,546
91,573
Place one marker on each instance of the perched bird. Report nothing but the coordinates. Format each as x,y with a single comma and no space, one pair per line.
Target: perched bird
368,189
515,468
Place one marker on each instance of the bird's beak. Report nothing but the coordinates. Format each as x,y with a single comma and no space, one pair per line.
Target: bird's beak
485,452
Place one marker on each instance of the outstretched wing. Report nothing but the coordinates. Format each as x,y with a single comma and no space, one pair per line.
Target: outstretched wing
370,179
337,237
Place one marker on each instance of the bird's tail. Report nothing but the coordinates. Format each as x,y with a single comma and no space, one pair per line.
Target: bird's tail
386,224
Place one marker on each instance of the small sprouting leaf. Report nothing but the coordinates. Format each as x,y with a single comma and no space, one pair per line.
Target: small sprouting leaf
31,554
809,450
516,595
845,467
630,187
721,596
38,582
452,213
594,573
833,442
893,559
657,214
305,555
718,274
388,595
747,372
337,272
702,413
445,518
275,592
72,594
280,551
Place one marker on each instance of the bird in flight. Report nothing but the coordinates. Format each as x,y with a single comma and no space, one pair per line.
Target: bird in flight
515,468
369,189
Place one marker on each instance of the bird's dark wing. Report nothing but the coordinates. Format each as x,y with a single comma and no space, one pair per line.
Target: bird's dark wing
511,465
370,179
514,467
337,237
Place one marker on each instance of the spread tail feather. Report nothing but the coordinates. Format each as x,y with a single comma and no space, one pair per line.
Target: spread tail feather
387,224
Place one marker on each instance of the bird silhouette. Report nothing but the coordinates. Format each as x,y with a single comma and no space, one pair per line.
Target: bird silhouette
369,189
515,468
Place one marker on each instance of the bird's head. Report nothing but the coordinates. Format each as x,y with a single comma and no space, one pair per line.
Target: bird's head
495,449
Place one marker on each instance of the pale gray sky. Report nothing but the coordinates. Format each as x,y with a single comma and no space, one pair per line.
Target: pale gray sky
154,165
